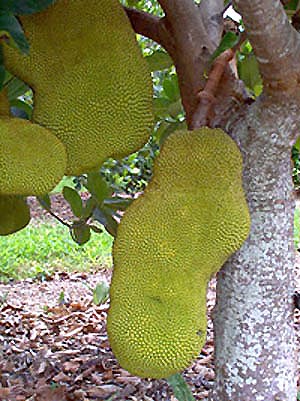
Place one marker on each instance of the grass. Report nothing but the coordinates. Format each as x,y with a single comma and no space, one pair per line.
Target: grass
38,250
297,227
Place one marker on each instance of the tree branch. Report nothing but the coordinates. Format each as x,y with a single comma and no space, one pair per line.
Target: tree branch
207,98
212,17
150,26
193,49
275,42
190,34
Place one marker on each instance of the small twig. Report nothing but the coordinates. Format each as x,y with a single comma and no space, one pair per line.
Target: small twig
45,206
206,97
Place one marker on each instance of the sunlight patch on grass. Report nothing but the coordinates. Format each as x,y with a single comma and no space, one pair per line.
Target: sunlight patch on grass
48,247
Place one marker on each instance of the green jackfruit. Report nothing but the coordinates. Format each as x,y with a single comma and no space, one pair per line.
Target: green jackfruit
92,86
191,218
32,159
14,214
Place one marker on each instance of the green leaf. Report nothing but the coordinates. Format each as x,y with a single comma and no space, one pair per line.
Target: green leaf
61,298
161,106
100,293
171,88
229,40
159,60
80,233
111,225
74,199
180,388
105,217
11,28
246,48
89,205
45,201
97,186
297,144
19,104
175,108
249,72
16,88
292,5
24,7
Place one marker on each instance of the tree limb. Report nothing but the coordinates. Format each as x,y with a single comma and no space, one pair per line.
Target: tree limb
193,49
275,42
190,34
212,17
203,112
150,26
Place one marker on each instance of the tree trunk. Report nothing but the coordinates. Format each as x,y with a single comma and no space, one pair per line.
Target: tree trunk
253,319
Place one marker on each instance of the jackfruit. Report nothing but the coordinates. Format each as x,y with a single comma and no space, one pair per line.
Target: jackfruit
190,219
14,214
32,159
92,86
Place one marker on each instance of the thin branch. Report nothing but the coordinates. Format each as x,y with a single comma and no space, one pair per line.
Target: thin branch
276,43
193,49
48,210
206,97
150,26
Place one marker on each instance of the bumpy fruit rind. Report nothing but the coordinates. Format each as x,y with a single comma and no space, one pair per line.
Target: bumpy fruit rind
32,159
92,86
14,214
191,218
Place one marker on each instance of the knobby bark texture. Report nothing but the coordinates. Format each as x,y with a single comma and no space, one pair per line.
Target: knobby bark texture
253,319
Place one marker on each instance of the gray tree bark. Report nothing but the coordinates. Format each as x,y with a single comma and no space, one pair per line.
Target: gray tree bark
253,319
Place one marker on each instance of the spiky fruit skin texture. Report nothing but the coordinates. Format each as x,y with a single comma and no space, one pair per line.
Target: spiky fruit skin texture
32,159
191,218
14,214
92,86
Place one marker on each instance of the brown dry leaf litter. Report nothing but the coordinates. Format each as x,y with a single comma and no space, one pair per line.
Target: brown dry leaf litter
52,350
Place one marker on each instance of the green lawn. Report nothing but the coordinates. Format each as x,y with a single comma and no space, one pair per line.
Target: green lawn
297,228
48,247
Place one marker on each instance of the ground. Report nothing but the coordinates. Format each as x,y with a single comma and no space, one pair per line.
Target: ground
54,347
